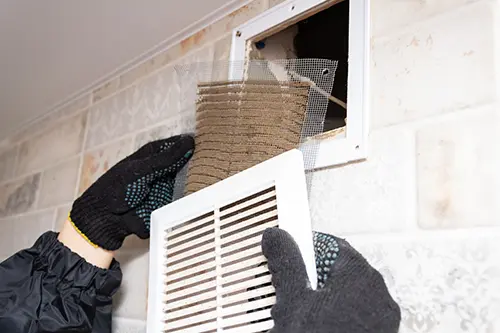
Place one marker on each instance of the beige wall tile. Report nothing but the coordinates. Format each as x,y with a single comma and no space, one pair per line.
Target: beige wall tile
74,106
190,70
145,104
29,227
21,232
198,59
134,243
8,163
123,325
182,124
80,103
389,16
131,299
63,140
106,89
458,178
19,196
5,144
44,123
144,69
368,196
59,184
443,282
222,50
39,126
134,74
97,162
61,216
437,66
273,3
238,17
6,237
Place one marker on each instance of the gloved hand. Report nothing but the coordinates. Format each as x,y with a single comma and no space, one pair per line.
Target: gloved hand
353,299
120,202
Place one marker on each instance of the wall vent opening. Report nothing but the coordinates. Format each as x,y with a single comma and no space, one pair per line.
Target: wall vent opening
320,34
337,31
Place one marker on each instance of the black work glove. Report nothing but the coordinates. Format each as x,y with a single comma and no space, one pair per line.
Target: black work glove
120,202
353,299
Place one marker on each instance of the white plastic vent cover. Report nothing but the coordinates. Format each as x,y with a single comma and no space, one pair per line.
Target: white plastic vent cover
207,271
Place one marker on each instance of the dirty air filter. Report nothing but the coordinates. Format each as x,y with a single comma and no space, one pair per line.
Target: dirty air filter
247,112
207,271
240,124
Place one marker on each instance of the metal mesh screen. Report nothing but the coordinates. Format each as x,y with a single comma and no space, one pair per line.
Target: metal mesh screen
318,73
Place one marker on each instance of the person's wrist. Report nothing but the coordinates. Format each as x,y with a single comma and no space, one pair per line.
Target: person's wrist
76,242
82,234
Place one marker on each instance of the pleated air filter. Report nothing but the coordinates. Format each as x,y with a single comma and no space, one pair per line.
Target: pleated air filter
240,124
207,270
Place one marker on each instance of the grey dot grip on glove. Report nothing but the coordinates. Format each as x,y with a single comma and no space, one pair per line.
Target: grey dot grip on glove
354,298
120,202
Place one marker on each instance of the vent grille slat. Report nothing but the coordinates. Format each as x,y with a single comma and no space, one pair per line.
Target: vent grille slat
245,274
190,281
204,317
254,283
173,314
246,263
191,301
197,233
190,262
185,246
194,329
189,253
199,288
246,203
239,308
262,217
227,252
269,290
248,232
191,271
258,327
247,318
242,254
190,226
248,212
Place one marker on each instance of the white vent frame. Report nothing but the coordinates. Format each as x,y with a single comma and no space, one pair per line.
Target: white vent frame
285,172
334,150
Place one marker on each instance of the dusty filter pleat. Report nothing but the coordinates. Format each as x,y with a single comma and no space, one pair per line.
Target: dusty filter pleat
242,123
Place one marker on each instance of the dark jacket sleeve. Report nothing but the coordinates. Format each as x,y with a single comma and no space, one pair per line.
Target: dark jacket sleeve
48,288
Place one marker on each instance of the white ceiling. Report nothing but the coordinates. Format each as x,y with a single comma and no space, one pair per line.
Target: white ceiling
51,49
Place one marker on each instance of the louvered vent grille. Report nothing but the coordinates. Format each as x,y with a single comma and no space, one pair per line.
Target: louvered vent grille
207,270
215,273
